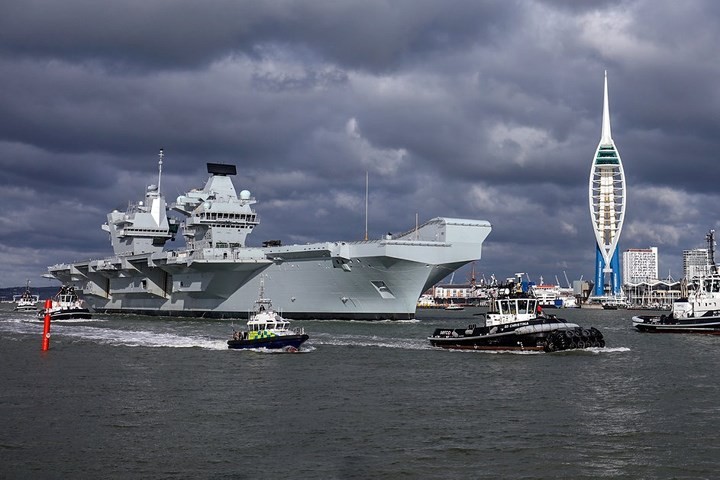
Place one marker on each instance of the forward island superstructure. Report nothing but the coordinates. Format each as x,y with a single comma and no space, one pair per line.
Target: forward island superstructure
217,275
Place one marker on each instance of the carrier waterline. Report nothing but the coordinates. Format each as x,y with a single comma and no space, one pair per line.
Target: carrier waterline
217,275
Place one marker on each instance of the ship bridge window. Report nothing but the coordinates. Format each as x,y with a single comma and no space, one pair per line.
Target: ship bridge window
523,306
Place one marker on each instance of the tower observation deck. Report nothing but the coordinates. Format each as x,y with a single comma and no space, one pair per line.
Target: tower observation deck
606,193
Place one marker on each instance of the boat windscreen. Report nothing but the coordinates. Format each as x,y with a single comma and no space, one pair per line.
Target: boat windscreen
523,306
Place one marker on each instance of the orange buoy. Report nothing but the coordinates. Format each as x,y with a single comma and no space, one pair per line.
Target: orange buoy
46,329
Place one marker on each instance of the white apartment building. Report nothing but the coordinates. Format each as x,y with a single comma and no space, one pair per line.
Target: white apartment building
696,262
640,265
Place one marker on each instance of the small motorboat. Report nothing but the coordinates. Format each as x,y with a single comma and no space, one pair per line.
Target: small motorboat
66,305
454,306
267,329
518,323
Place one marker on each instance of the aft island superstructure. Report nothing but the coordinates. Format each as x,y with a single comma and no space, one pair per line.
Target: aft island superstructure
217,275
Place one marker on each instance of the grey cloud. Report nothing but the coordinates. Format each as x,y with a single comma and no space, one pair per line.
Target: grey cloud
373,35
485,110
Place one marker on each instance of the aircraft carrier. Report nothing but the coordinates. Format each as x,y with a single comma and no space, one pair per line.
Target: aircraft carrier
216,275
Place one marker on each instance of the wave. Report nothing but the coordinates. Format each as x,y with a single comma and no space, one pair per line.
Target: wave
369,322
108,336
143,338
304,348
371,341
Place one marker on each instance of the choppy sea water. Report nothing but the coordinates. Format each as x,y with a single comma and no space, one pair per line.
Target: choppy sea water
157,398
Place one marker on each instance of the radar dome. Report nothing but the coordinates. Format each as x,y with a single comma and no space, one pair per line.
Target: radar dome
245,195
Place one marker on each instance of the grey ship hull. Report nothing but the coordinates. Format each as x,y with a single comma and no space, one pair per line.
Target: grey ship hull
371,280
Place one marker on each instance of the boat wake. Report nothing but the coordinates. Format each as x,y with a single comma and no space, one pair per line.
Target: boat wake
370,341
611,350
142,338
69,321
387,321
305,348
108,336
576,351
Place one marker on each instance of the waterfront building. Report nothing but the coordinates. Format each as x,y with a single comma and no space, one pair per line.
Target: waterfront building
696,263
654,293
606,194
640,265
454,293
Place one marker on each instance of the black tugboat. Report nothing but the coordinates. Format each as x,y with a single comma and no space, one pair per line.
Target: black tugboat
518,323
66,305
697,312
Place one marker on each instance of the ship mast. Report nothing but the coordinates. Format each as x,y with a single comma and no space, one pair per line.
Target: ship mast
366,204
710,237
160,169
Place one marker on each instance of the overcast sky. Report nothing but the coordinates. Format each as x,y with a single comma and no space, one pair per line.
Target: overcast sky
484,110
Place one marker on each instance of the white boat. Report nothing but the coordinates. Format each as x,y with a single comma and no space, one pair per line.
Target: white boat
267,329
554,296
566,301
426,301
546,294
66,305
27,302
454,306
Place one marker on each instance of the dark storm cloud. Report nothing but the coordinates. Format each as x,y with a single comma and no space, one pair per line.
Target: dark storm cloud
373,35
487,110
